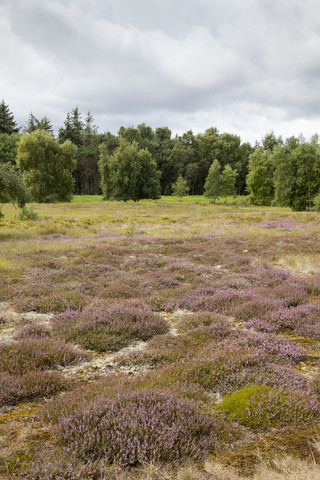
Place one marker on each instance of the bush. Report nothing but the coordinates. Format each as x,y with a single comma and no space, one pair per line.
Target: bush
103,328
302,320
37,354
140,427
27,213
30,385
32,330
258,406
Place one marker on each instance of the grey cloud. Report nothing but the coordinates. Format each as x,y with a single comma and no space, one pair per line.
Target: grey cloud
238,63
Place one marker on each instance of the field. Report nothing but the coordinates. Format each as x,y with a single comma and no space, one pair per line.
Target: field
166,339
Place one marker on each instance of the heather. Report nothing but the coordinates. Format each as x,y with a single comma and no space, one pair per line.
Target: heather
32,354
103,328
159,428
158,312
301,320
31,385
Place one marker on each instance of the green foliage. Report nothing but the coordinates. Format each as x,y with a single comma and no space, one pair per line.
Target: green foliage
47,166
12,188
297,177
228,181
259,406
213,185
129,173
260,181
180,188
36,124
27,213
316,203
9,147
7,123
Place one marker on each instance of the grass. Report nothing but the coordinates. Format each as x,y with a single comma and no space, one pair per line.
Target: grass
216,297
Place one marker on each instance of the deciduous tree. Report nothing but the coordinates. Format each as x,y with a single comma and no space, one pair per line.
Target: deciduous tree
47,166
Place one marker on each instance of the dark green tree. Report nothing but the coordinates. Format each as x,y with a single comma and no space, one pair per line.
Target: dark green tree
297,176
213,185
260,179
7,123
129,173
12,188
73,128
47,166
9,147
36,124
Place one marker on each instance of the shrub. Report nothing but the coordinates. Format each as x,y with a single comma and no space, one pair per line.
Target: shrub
27,213
30,385
258,406
32,330
37,354
140,427
102,327
303,320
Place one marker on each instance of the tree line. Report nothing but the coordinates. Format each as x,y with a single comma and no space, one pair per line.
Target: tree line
142,162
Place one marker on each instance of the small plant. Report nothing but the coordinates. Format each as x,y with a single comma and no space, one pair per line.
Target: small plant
27,213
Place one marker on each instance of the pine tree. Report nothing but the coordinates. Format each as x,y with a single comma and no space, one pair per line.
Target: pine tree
7,123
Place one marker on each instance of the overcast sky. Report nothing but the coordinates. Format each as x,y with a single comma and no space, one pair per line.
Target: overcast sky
245,67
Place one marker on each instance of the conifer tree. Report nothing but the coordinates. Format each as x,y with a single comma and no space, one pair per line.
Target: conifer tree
7,123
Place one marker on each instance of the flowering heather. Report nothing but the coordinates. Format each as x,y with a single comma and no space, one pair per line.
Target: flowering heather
32,354
14,388
140,427
259,406
303,320
32,330
105,327
219,325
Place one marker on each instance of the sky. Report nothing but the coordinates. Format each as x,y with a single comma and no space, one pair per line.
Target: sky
245,67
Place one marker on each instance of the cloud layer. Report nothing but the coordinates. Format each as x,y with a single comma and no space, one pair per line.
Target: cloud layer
245,67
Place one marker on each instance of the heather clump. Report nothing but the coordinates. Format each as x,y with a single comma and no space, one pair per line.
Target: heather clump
30,385
219,324
141,427
32,354
103,327
32,330
302,320
166,349
259,406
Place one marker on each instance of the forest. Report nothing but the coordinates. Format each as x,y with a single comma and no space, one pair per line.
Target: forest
142,162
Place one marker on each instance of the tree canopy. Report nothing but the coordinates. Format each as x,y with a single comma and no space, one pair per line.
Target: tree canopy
129,173
47,166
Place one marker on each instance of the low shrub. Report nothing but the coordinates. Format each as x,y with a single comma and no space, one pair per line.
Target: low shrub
14,388
37,354
141,427
32,330
302,320
102,327
259,406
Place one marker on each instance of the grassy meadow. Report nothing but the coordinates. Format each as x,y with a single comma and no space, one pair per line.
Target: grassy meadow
160,339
